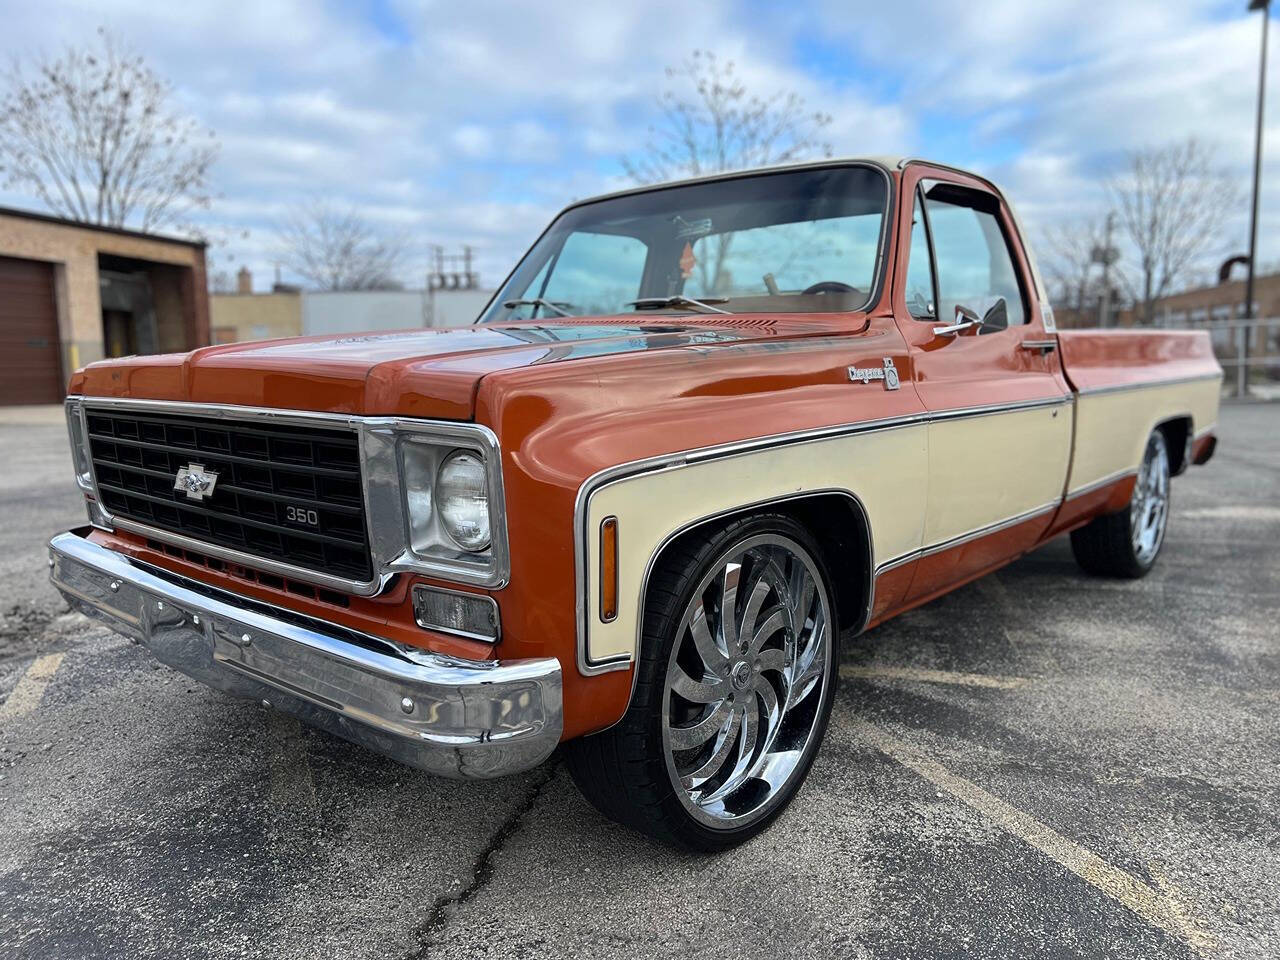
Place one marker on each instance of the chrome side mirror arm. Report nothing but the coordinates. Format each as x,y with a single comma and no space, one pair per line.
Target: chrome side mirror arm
965,319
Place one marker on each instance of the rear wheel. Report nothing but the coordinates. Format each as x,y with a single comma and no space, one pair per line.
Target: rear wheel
1126,543
733,693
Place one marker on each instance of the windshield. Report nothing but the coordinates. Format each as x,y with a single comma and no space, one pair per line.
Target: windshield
797,241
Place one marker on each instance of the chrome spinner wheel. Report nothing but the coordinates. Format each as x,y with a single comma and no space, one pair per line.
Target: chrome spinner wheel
746,680
1149,508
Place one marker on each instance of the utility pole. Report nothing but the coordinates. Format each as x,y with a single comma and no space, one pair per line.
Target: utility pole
1104,303
1242,368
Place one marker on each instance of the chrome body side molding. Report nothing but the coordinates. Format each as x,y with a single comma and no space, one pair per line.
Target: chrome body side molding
968,537
1147,384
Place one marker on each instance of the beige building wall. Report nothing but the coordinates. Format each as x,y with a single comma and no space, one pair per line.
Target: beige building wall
74,250
237,317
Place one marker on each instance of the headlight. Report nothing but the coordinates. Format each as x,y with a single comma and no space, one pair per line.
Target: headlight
462,492
451,494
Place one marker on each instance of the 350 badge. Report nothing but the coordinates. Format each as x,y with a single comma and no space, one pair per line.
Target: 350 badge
302,515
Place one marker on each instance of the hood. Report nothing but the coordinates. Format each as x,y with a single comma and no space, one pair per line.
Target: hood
420,373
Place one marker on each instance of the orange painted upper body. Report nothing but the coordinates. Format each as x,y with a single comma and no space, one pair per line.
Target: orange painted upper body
569,398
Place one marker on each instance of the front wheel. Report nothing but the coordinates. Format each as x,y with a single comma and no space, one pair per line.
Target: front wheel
735,684
1126,543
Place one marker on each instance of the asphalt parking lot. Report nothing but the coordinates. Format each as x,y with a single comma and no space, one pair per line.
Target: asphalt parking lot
1038,765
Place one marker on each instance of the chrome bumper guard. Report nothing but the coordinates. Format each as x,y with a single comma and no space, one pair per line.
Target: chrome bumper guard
448,716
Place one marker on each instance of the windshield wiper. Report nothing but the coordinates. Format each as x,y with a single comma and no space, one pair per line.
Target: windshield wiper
538,302
679,300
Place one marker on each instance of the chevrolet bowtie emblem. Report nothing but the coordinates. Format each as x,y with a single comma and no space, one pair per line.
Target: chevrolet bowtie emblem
195,481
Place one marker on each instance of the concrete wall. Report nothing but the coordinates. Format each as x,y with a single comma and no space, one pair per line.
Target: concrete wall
364,310
255,316
239,317
359,311
74,250
456,308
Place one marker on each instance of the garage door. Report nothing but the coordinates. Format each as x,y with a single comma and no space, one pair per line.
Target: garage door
30,360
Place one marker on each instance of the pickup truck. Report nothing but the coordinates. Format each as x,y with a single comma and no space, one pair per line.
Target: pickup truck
703,432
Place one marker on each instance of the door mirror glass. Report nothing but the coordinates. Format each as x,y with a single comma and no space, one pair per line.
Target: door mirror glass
989,313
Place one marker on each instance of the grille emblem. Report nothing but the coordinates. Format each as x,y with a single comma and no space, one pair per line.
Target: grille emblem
195,481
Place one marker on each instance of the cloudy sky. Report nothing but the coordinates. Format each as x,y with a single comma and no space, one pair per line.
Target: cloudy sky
473,122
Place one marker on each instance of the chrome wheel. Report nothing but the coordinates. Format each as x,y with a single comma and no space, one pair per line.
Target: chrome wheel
1149,508
746,681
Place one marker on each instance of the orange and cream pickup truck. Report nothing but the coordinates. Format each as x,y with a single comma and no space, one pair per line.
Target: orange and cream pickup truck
703,431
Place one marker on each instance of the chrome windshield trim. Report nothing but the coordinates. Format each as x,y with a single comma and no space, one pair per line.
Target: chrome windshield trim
386,522
880,267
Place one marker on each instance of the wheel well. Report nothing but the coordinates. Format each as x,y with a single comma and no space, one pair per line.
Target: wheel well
839,523
1177,432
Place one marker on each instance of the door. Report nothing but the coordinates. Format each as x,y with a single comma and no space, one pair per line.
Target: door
30,354
988,373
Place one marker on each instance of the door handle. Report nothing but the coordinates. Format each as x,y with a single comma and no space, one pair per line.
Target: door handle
1044,346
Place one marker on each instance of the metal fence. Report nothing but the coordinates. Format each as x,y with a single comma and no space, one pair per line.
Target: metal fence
1257,366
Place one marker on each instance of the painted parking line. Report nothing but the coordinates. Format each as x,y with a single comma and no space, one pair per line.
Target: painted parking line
1244,512
932,676
31,686
1153,906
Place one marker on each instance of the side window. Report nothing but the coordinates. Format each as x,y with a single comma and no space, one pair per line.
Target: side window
920,292
973,260
596,271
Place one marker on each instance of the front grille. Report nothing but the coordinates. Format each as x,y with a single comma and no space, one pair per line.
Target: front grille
267,474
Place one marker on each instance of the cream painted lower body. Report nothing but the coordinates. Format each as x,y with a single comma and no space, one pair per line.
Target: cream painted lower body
986,470
925,484
885,470
1112,426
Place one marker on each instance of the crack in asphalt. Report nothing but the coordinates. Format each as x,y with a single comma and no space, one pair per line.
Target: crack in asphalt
481,867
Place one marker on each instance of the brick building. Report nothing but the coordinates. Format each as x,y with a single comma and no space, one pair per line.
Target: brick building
72,293
1196,307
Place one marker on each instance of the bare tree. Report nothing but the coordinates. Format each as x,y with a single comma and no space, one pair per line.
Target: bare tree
220,282
1069,260
1173,202
92,135
711,123
337,249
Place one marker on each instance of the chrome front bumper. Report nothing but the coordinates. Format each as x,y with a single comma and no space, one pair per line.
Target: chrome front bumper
457,718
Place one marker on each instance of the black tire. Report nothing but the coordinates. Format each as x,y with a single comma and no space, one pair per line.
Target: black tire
624,771
1109,545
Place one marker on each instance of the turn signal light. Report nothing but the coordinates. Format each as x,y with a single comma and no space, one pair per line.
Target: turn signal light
470,615
609,569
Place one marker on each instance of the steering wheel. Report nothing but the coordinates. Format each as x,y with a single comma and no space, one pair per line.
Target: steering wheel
827,286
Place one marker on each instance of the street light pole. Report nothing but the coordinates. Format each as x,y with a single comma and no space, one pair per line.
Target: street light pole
1242,369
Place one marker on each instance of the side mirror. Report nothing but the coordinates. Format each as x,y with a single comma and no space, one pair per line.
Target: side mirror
988,310
995,312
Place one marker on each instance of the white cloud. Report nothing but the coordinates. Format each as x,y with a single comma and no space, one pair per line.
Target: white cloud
485,118
473,140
